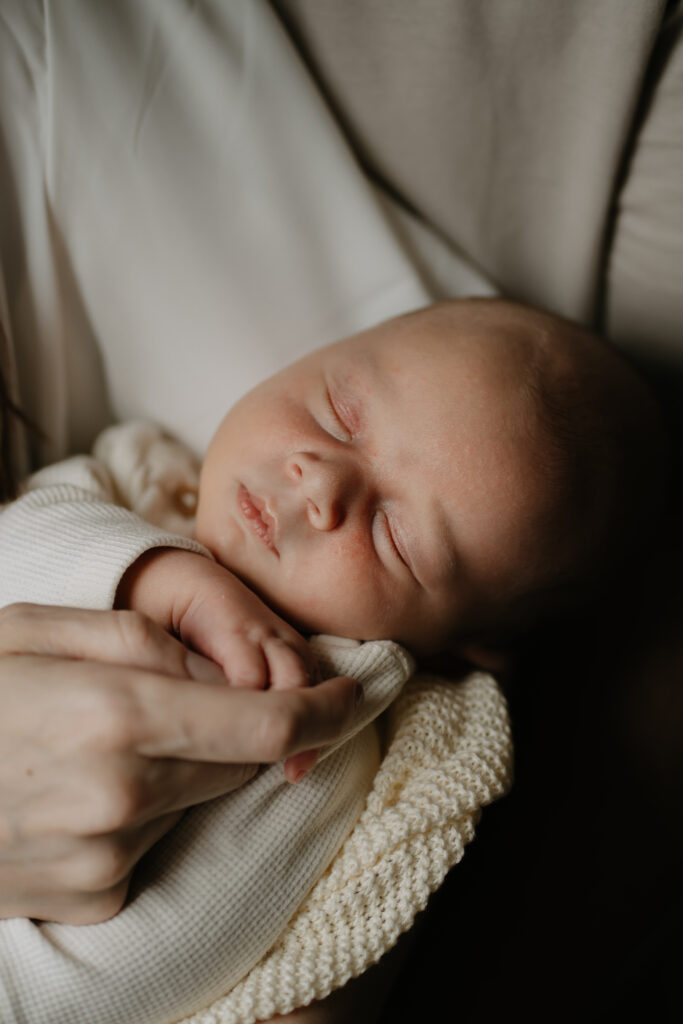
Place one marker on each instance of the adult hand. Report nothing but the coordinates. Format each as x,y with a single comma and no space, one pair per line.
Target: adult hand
110,728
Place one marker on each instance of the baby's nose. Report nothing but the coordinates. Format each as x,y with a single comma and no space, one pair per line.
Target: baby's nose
325,486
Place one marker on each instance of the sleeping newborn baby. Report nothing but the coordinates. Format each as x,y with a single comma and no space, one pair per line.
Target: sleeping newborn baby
449,479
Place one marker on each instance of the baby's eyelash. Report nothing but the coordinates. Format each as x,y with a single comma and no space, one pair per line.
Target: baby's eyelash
389,534
338,418
395,544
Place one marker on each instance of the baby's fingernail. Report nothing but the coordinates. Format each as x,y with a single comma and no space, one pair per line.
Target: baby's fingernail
301,764
295,772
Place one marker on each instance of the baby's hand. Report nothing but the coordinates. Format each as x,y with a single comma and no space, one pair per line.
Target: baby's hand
214,613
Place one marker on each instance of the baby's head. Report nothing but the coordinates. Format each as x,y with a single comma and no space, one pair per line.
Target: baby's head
443,479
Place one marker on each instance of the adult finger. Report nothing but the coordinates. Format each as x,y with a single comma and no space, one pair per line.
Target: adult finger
201,722
78,880
90,884
107,709
119,792
118,637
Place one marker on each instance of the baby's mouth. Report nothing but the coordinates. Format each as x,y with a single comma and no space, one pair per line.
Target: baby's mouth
259,520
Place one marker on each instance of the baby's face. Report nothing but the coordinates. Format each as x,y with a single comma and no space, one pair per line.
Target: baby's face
381,487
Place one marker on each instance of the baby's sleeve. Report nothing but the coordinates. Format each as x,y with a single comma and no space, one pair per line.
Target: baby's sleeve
64,541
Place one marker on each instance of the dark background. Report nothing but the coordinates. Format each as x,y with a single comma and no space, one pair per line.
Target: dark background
568,903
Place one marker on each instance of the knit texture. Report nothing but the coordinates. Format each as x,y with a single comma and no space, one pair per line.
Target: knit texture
449,753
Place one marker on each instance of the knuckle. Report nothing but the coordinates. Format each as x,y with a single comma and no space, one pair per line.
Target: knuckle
111,801
116,804
108,866
257,634
110,722
98,870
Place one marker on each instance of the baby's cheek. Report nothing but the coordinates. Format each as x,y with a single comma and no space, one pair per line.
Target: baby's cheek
342,592
352,551
360,596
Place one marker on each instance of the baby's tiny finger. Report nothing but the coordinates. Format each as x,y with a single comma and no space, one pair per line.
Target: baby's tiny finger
299,765
286,668
246,667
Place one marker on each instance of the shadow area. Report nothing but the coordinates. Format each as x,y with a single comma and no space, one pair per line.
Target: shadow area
567,905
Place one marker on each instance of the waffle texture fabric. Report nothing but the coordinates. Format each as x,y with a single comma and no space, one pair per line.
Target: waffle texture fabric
449,753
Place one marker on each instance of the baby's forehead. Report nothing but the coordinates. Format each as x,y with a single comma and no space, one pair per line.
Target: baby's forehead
460,378
426,341
452,337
